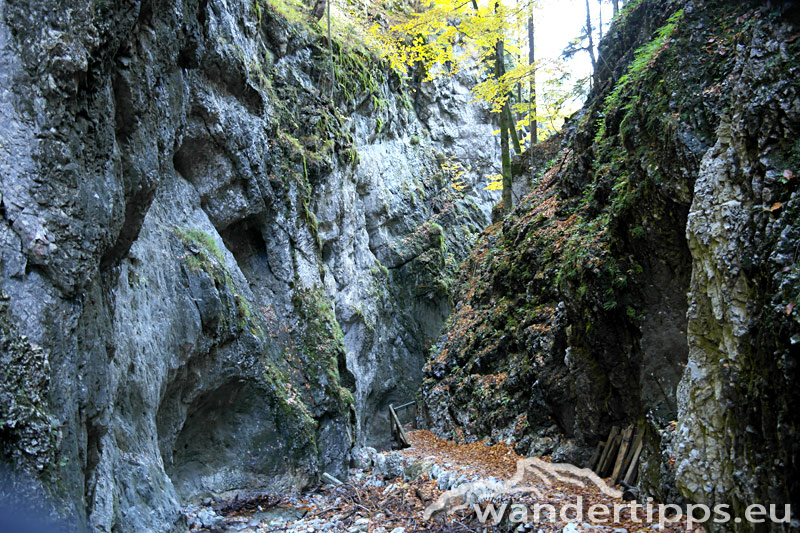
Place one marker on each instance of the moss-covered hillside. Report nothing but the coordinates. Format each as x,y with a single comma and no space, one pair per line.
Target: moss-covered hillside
672,194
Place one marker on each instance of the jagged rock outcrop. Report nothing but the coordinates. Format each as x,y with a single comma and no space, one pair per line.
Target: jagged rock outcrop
737,440
213,277
650,277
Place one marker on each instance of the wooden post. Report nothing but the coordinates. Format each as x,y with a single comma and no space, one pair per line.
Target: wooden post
606,466
392,424
638,434
609,443
397,431
623,450
633,468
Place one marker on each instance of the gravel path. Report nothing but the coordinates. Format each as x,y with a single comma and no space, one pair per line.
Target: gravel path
389,492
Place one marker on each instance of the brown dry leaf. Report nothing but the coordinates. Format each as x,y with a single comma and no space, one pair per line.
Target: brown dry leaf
789,308
404,505
774,207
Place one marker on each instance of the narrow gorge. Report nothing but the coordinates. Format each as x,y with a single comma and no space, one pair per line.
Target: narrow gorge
229,242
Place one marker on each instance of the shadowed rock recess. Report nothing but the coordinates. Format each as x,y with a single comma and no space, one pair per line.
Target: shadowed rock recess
213,277
651,275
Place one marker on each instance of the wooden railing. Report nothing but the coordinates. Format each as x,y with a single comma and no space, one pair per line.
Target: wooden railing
398,433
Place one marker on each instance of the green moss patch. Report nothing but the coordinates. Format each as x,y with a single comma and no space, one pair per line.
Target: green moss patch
320,352
204,254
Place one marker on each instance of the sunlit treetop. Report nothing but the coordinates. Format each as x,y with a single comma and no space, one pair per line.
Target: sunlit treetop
448,34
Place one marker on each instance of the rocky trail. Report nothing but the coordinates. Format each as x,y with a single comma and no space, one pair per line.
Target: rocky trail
389,492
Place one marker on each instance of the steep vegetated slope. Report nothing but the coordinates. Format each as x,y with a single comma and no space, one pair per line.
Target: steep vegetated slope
651,277
218,265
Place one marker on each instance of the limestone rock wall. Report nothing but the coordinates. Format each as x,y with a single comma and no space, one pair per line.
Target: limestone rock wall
213,277
736,438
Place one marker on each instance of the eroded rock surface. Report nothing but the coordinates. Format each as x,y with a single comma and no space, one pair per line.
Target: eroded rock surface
216,278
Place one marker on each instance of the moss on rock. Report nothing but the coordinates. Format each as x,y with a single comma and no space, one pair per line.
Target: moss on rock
28,432
321,349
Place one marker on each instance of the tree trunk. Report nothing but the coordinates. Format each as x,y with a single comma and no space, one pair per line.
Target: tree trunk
512,127
508,200
600,25
330,49
591,39
505,155
616,7
532,81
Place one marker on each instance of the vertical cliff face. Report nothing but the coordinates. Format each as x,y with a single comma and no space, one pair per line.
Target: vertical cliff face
738,420
649,277
213,277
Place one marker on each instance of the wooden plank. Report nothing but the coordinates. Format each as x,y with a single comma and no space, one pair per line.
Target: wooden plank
612,437
623,451
400,434
606,467
638,435
596,455
609,443
392,425
633,470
